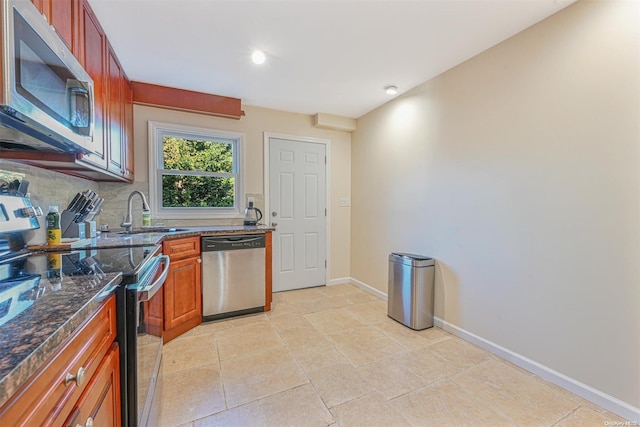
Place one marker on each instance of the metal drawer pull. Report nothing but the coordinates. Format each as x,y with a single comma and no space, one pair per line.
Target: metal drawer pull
78,378
89,423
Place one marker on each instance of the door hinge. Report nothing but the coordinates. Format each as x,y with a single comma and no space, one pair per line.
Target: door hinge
325,263
325,211
325,160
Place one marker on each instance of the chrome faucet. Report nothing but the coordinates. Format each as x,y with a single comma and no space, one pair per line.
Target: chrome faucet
126,223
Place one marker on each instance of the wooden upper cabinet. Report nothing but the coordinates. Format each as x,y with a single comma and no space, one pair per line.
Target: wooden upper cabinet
63,15
115,102
112,144
128,130
91,54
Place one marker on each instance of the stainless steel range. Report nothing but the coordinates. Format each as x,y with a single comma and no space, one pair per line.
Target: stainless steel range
140,320
26,280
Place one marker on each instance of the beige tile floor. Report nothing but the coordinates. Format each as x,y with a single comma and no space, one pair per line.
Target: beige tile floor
330,356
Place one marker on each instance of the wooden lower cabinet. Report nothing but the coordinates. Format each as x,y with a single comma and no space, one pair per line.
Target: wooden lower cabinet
67,379
183,287
99,405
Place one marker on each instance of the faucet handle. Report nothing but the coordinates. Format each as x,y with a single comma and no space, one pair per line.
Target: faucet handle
124,224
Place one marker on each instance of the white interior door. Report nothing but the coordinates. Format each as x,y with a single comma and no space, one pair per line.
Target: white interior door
297,203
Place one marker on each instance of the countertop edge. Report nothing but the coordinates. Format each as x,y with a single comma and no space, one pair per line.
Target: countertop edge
113,239
27,367
23,371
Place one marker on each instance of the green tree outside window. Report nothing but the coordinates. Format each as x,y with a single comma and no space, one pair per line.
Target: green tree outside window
197,173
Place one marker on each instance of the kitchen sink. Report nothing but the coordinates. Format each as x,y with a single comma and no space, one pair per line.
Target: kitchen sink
151,230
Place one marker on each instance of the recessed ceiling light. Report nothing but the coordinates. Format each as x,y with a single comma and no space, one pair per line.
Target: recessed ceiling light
258,57
391,89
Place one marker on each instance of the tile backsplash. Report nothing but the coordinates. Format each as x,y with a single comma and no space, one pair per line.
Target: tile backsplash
48,187
52,188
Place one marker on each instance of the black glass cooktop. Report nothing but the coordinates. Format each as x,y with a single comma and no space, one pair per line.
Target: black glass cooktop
24,278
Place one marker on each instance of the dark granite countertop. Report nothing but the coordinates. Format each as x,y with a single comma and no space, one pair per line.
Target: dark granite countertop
29,339
58,308
113,238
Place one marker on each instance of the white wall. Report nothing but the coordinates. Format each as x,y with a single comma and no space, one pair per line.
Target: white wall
519,170
253,125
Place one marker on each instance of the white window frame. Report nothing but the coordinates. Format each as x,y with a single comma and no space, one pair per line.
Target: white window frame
158,130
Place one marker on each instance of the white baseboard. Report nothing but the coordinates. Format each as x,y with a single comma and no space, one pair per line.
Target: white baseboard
339,281
589,393
368,288
597,397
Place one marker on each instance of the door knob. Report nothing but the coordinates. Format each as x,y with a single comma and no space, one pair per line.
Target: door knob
274,214
274,224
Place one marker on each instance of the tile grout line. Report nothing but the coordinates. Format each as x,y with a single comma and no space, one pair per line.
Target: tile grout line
459,364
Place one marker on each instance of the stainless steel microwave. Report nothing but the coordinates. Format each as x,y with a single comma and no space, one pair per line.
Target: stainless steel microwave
47,97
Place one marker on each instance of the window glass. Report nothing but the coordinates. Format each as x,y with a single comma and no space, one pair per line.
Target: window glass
194,172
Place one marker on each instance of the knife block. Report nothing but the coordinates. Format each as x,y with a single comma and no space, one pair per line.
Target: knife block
70,228
90,229
75,230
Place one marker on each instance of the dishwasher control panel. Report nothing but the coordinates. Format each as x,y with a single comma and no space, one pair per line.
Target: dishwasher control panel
232,242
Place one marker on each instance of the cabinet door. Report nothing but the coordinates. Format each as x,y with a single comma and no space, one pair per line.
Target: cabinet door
63,15
101,400
92,53
182,297
115,102
128,130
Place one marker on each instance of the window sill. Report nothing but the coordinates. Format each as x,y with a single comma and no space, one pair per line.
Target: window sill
196,215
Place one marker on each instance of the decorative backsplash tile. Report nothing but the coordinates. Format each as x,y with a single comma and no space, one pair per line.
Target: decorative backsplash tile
48,187
52,188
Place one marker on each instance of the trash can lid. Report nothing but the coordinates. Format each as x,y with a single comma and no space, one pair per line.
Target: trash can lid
411,259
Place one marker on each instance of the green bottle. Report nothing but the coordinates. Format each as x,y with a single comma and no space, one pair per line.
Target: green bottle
54,234
146,218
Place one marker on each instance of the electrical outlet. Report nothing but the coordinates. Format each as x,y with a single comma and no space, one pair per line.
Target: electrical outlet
250,199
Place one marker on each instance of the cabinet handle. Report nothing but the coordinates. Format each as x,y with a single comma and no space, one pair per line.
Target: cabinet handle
89,423
199,260
78,378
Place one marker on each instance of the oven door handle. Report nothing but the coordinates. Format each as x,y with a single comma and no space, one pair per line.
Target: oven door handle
151,290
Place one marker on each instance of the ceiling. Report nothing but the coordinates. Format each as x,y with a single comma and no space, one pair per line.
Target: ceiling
322,56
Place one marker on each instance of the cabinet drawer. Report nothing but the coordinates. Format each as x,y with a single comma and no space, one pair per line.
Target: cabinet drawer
101,400
49,395
182,248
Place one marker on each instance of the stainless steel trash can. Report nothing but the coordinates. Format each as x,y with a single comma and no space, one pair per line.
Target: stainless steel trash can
410,299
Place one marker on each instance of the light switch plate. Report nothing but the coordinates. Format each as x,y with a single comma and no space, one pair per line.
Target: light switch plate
345,202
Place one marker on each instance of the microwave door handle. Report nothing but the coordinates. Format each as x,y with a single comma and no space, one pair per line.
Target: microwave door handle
150,291
78,91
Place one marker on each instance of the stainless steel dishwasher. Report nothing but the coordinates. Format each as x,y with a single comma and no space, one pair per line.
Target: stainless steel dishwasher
233,275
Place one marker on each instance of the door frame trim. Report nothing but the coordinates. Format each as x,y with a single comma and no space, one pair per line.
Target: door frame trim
267,212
